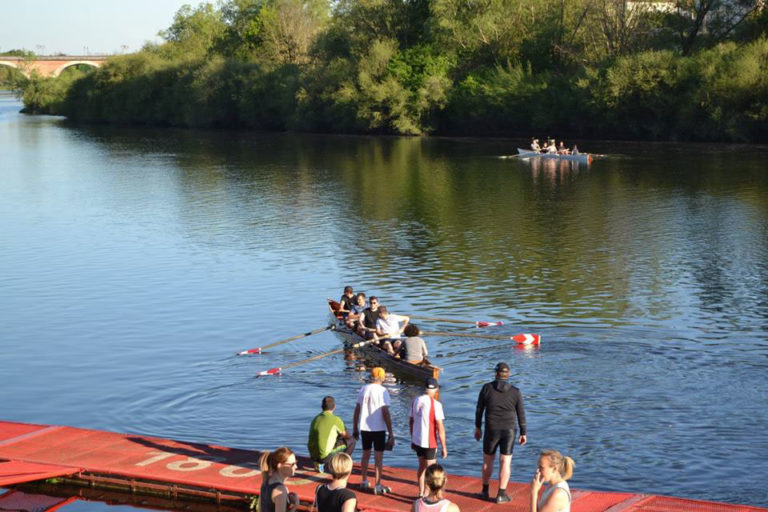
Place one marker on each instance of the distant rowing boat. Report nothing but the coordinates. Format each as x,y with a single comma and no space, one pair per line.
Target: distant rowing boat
584,158
401,367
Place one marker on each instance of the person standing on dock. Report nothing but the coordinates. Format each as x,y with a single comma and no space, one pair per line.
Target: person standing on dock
426,426
553,469
276,466
502,404
372,420
334,496
435,500
328,435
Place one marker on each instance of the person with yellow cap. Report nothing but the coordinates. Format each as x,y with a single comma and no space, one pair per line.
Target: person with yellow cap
372,420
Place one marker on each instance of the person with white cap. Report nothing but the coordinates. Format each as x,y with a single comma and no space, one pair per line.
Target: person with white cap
502,404
426,426
372,420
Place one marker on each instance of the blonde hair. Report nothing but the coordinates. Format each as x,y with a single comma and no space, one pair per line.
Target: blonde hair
564,465
269,461
339,465
435,477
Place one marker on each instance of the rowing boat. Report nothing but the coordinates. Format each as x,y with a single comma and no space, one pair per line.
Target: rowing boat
380,356
584,158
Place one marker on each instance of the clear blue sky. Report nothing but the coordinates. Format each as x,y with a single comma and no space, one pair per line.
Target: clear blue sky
70,26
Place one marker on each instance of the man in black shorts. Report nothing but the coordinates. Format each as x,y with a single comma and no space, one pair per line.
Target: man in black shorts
503,406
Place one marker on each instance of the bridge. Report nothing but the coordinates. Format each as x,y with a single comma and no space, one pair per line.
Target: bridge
51,65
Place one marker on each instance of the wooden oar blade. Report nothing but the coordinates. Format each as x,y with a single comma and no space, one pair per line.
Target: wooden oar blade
260,350
256,350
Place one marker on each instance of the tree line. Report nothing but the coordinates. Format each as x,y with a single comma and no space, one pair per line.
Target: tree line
678,70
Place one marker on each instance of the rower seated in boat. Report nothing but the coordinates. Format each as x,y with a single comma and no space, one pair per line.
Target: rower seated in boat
535,145
346,302
575,150
388,326
551,148
356,311
562,150
414,349
366,326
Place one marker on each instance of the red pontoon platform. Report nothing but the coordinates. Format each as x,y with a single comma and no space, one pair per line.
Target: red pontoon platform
153,466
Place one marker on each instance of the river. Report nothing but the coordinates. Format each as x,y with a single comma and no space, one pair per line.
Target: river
135,262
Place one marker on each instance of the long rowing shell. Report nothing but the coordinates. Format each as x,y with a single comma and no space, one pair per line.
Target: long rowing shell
527,339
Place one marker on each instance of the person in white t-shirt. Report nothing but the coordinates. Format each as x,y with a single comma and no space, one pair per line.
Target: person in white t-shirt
388,326
372,420
426,425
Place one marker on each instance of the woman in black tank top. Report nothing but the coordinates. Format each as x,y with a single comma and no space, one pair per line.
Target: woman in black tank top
334,496
276,467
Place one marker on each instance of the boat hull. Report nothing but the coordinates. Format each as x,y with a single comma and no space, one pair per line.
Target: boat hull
581,158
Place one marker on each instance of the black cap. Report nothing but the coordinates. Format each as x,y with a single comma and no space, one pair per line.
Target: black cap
431,383
502,367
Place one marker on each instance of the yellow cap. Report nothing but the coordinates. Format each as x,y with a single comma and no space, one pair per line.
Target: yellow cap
378,373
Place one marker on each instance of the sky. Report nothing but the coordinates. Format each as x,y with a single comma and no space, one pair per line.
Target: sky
76,27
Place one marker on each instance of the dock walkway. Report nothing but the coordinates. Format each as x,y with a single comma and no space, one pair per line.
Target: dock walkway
142,464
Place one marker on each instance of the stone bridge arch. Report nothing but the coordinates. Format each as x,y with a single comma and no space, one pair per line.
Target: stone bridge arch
56,72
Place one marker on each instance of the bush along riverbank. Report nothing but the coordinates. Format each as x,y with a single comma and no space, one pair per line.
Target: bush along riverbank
439,67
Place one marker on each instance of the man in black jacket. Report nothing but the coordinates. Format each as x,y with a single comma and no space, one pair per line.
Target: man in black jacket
503,406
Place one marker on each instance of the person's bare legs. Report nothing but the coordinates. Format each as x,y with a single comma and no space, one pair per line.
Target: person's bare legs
364,464
505,465
423,465
487,468
378,459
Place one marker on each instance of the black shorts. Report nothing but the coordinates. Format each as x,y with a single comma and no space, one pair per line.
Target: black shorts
502,439
426,453
376,439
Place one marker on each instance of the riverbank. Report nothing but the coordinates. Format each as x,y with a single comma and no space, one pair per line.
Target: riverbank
148,465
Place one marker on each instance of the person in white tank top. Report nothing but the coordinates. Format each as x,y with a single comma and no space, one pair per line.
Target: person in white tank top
553,469
435,479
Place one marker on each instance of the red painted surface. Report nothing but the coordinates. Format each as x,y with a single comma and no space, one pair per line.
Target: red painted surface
234,470
17,501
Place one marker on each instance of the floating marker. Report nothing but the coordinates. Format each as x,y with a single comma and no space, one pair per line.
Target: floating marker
526,339
273,371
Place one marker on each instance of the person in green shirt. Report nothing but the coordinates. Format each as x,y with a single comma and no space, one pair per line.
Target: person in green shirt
327,434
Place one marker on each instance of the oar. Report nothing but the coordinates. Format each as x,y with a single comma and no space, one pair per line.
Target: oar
477,323
521,339
259,350
278,371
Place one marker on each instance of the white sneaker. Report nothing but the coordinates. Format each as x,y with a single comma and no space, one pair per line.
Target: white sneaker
382,489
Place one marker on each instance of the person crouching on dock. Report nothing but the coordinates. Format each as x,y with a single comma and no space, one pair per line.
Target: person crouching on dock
276,466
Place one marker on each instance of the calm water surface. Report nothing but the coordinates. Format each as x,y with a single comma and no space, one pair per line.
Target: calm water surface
135,262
